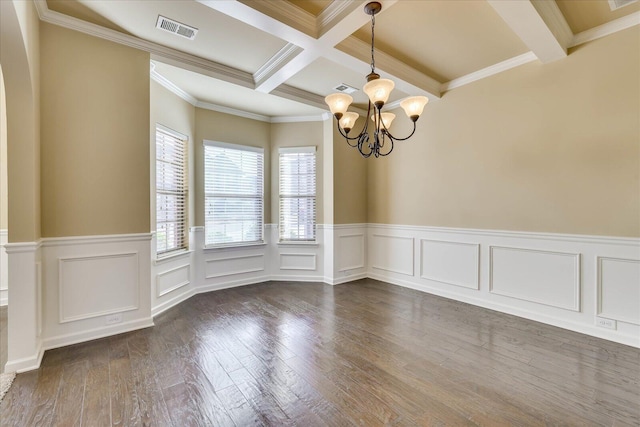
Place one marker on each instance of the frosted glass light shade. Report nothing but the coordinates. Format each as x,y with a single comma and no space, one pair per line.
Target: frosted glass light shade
413,106
387,118
338,103
378,91
348,120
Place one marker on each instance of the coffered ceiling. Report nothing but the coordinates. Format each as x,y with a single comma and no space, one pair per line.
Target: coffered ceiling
281,57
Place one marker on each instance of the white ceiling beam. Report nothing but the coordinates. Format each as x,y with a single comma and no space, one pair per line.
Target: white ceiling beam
357,57
334,25
341,19
539,24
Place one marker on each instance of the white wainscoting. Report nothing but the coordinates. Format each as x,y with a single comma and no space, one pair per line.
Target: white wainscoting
4,272
95,286
391,253
452,263
172,279
619,289
172,276
229,265
563,280
550,278
24,322
298,261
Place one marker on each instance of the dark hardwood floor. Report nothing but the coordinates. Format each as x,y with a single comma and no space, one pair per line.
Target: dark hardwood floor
366,353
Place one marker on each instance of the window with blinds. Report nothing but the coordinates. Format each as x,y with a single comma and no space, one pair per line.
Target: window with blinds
234,196
297,194
171,192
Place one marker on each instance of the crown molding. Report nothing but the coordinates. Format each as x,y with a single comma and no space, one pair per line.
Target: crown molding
233,111
169,55
275,63
334,12
297,119
606,29
295,94
170,86
516,61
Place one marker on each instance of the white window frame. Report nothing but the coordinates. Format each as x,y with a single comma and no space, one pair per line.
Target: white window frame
247,148
281,196
184,246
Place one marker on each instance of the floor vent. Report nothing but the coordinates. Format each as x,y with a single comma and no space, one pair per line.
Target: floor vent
617,4
175,27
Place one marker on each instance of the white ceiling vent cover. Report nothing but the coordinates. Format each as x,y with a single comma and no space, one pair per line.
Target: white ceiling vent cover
175,27
617,4
345,88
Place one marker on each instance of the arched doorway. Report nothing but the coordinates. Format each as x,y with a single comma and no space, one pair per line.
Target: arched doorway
19,59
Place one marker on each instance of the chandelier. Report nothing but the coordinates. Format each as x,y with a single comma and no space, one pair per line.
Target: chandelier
378,91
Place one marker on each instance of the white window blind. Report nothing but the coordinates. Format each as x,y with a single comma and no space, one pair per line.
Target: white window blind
233,185
297,194
171,192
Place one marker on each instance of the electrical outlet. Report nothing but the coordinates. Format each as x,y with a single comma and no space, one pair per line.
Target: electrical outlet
112,319
605,323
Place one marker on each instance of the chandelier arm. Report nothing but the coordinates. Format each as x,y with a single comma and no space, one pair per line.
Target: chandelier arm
391,140
364,138
401,139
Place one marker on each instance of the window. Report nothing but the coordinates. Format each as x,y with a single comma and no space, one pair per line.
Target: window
233,186
171,191
297,194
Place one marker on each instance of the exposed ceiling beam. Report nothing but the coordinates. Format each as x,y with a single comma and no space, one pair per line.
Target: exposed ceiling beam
540,25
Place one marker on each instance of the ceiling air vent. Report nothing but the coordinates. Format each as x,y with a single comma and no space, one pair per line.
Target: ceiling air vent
345,88
175,27
617,4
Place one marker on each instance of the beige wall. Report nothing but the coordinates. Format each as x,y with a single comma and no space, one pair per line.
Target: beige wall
20,57
303,134
546,148
95,136
4,223
173,112
350,179
221,127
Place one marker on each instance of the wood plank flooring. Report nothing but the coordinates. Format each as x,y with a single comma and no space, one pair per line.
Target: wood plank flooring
307,354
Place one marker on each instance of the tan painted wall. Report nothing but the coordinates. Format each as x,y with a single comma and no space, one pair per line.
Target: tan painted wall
175,113
4,200
95,136
350,179
215,126
20,56
303,134
546,148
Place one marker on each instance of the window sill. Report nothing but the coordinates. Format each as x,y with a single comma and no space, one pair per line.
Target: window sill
285,243
235,246
171,256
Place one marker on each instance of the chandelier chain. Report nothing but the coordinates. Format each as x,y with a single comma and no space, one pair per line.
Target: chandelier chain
373,60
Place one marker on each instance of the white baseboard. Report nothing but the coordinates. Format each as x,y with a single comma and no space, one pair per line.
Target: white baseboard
92,334
166,305
345,279
27,363
231,284
569,281
630,340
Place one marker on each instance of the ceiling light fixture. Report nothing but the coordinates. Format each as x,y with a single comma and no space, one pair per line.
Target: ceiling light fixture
378,91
